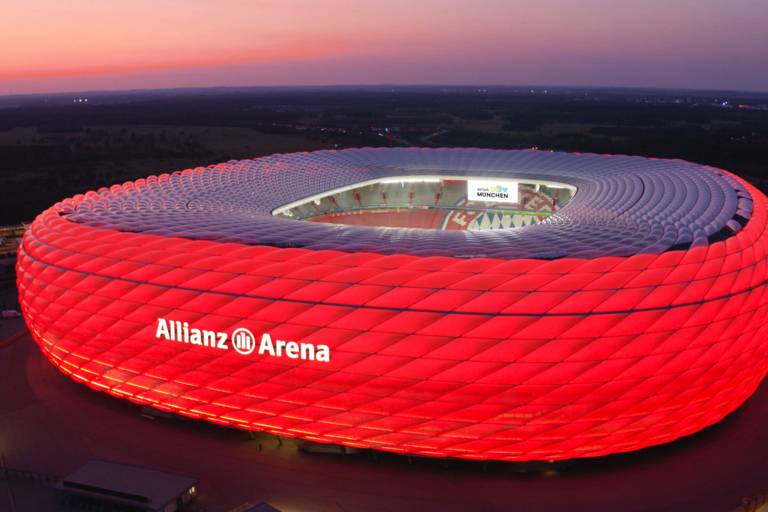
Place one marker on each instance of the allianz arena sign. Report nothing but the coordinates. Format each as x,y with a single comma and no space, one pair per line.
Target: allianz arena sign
241,340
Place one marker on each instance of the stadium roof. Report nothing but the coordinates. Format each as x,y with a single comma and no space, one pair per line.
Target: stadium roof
624,205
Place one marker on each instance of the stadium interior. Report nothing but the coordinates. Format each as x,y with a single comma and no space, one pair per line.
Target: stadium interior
443,203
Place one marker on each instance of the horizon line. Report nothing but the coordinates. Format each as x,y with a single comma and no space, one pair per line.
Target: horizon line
382,85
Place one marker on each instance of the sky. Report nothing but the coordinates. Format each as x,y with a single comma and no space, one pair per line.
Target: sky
76,45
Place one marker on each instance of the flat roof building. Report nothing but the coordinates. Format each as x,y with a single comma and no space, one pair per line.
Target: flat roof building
131,487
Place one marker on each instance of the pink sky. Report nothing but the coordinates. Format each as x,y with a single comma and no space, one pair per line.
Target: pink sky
54,45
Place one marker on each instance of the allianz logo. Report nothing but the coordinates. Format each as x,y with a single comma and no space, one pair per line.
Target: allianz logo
241,340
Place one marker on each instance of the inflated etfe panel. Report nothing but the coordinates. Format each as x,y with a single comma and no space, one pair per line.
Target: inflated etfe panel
633,316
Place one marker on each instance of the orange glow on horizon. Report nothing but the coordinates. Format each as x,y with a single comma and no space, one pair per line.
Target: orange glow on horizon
293,52
50,45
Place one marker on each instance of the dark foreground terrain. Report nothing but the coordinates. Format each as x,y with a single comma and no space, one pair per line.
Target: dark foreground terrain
52,147
56,146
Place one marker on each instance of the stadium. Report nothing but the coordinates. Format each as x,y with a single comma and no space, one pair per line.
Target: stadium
481,304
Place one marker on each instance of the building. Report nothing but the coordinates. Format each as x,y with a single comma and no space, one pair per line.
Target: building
127,487
526,305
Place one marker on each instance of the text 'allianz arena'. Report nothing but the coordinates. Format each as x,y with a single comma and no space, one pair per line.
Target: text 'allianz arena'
483,304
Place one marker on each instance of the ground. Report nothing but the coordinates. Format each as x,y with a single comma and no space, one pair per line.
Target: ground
51,149
50,425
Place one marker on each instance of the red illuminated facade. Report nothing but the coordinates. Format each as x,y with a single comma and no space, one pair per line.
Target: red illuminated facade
479,358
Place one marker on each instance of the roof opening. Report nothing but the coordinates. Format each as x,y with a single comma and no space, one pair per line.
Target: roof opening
435,202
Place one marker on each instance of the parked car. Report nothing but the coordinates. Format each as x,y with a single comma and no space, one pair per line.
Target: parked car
310,447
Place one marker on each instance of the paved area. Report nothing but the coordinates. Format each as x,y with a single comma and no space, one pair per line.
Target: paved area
50,425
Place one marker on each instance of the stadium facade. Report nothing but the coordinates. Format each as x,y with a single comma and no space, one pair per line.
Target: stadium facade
517,305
